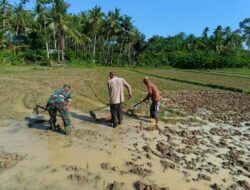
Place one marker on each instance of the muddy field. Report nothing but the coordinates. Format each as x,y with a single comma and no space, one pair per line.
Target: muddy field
202,141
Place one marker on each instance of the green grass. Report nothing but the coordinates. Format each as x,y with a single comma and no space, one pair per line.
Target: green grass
4,69
244,74
23,87
197,77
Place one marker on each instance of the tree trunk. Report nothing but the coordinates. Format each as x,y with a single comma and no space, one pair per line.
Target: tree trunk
62,45
120,53
112,50
94,48
46,39
17,29
58,50
106,55
54,37
4,24
129,52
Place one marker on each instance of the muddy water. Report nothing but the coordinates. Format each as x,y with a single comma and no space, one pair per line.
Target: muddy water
51,158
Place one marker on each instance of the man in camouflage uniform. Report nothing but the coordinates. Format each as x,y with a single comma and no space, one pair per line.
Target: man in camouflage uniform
60,101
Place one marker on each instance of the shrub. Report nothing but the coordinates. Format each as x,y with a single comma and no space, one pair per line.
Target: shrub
10,58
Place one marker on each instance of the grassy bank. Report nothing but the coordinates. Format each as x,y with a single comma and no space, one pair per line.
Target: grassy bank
233,80
23,87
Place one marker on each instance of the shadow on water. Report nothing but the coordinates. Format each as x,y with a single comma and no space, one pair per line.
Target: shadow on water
40,123
37,123
134,116
101,121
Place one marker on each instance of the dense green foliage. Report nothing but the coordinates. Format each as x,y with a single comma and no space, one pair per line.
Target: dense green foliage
223,48
48,34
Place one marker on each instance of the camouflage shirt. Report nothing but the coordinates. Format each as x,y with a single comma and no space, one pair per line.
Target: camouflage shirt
60,96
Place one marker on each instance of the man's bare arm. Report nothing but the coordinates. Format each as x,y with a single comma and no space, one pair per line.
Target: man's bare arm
126,85
147,97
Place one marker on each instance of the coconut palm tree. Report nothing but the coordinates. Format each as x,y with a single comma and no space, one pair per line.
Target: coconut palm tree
139,45
217,39
2,34
245,29
42,20
21,20
112,28
204,40
95,20
4,5
191,42
233,40
125,36
58,25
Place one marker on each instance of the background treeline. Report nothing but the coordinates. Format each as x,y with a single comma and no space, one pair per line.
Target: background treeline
48,34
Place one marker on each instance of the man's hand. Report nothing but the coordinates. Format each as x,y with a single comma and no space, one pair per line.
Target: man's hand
68,106
129,96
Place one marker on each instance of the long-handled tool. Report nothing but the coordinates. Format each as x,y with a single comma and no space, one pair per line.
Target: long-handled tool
92,112
132,111
37,107
137,104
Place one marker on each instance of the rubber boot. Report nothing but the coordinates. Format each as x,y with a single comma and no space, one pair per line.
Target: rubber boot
67,130
53,127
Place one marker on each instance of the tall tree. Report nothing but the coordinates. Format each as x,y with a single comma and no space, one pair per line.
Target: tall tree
245,29
4,5
43,20
217,39
58,25
191,42
125,36
112,28
95,20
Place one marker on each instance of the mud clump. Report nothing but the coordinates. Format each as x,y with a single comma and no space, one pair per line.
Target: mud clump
78,178
166,165
116,186
219,131
240,185
9,160
151,128
142,186
147,149
73,168
84,133
204,177
215,186
139,169
244,184
167,152
107,166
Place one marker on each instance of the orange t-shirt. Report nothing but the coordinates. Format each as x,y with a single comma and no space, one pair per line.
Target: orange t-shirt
154,92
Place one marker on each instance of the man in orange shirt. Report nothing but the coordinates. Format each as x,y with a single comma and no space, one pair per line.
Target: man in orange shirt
154,94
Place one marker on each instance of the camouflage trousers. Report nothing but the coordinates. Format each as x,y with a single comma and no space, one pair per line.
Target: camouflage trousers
62,110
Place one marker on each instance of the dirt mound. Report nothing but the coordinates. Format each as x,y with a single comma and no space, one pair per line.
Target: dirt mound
78,177
139,169
9,160
116,186
84,133
142,186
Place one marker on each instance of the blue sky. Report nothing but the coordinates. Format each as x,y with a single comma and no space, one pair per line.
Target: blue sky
169,17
